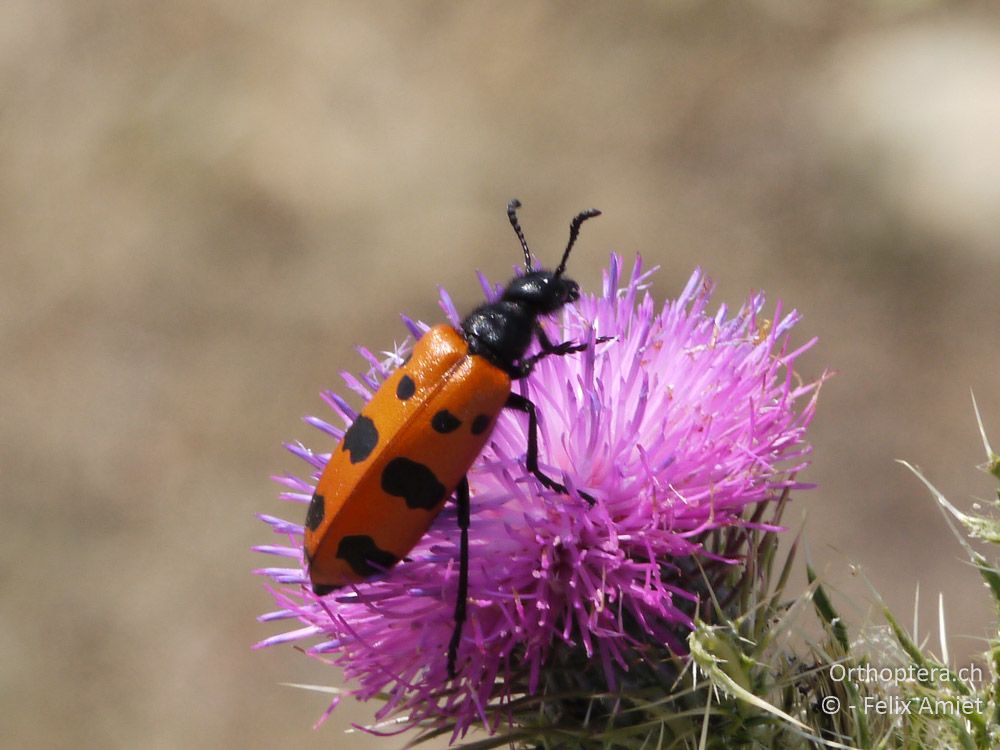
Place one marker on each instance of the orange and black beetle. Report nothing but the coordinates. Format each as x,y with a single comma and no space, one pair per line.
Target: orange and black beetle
410,447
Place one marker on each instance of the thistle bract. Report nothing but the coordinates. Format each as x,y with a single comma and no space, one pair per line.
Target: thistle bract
675,424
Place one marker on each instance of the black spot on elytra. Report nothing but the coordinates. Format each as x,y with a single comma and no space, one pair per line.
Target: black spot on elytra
413,482
444,422
405,388
322,589
360,439
480,423
364,556
317,509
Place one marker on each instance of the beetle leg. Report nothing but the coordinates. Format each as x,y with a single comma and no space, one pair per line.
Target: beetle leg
523,369
462,502
566,347
522,404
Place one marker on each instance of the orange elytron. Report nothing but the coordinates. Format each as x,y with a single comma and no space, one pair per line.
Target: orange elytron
410,448
402,459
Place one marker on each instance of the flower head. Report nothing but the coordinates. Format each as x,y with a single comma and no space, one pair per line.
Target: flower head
676,424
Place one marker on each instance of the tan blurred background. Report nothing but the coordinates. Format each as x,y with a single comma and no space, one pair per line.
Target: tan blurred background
205,205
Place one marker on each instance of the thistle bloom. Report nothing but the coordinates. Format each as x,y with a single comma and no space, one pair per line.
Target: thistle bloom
676,424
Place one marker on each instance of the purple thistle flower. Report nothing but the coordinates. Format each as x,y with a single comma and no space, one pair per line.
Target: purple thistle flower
675,426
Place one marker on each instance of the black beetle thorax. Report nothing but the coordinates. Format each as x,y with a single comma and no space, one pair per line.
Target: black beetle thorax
500,331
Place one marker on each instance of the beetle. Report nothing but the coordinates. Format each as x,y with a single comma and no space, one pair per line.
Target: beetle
411,446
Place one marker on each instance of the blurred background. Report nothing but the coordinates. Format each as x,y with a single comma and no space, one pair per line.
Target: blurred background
205,205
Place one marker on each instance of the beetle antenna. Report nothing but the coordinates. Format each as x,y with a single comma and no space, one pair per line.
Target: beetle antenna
512,215
574,232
